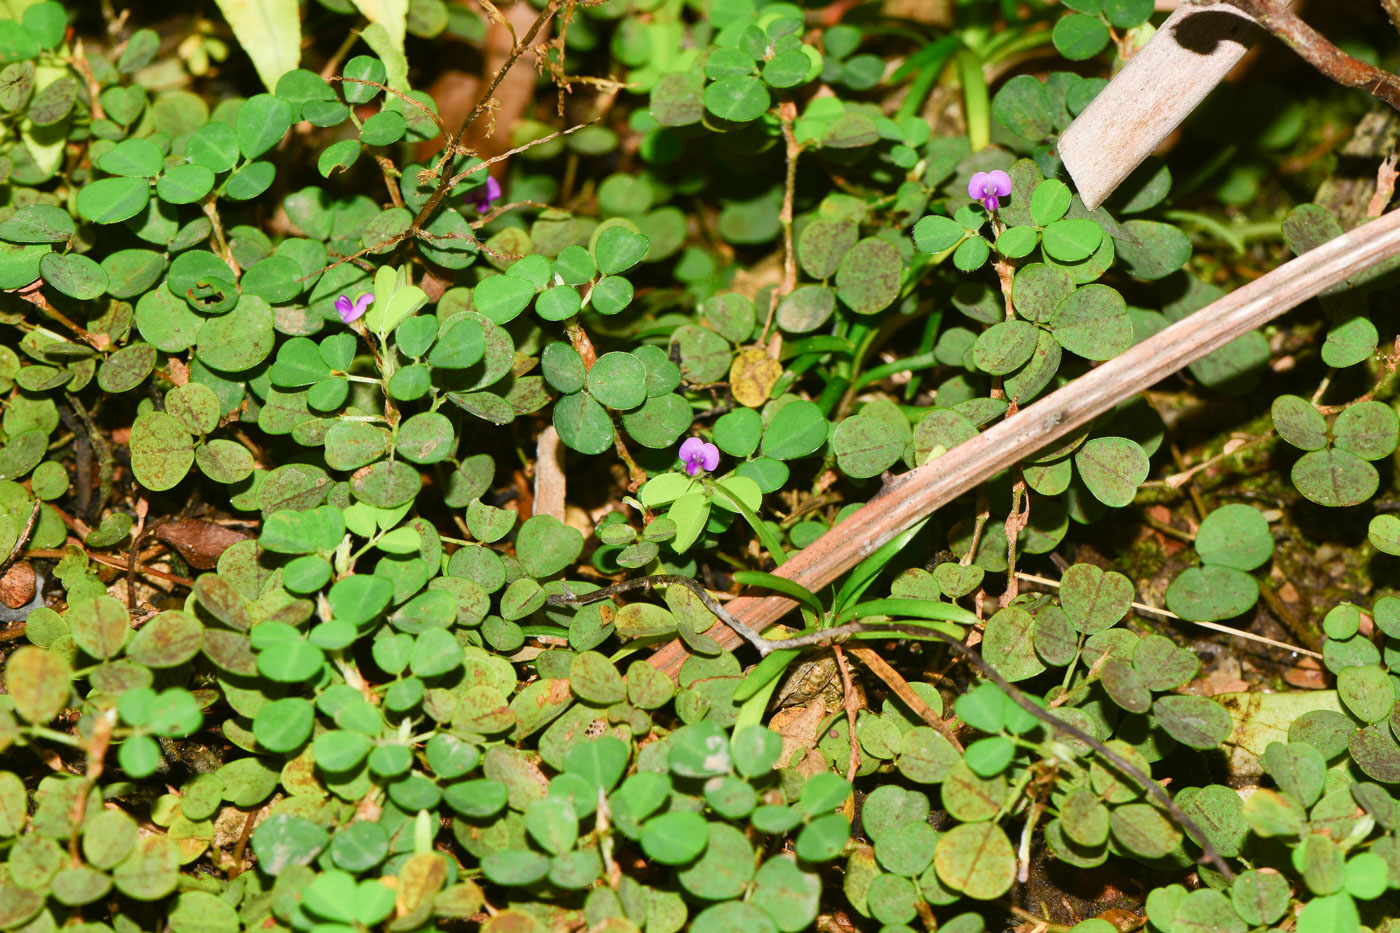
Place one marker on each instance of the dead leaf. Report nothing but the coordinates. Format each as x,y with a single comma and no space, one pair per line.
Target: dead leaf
753,376
798,727
18,584
199,542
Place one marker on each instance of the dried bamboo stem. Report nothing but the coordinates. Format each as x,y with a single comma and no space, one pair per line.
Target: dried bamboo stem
925,489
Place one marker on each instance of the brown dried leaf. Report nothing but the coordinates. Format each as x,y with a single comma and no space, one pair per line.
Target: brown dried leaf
798,727
18,585
199,542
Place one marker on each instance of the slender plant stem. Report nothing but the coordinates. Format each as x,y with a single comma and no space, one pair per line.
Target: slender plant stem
1314,48
450,151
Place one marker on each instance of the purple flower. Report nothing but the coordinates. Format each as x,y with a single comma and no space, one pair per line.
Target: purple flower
699,456
353,310
987,187
486,195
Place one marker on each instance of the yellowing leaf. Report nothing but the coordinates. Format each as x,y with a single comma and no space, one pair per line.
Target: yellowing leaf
269,31
753,376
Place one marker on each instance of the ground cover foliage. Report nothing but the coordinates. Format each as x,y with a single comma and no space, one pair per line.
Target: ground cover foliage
312,629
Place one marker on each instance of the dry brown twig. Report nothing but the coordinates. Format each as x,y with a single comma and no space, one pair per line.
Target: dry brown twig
1316,50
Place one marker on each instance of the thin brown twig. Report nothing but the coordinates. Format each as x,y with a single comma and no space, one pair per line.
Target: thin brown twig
54,554
1392,9
787,115
896,682
23,537
1313,48
454,142
211,211
851,703
32,294
411,101
481,166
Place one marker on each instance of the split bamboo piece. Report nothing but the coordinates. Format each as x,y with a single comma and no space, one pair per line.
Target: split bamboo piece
1157,89
923,490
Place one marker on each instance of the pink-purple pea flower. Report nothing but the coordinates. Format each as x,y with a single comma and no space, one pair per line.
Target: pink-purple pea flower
699,456
989,187
486,195
350,311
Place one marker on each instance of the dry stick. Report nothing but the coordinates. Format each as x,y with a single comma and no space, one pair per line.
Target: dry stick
1392,9
7,559
449,152
896,682
55,554
852,706
1314,49
916,494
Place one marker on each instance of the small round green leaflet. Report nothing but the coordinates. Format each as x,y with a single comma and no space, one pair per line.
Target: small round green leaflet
1071,239
977,859
1038,290
583,424
1351,342
1152,250
185,184
1079,37
972,254
1049,201
869,276
74,275
1260,897
1211,593
1022,106
1235,535
99,626
1335,478
1093,599
1195,721
127,368
675,838
546,545
797,430
261,122
1367,876
618,380
1112,468
283,725
162,451
724,870
733,917
1004,347
1367,429
866,446
112,200
739,98
932,234
213,146
151,871
39,681
1366,691
823,838
618,249
1093,322
552,824
1206,910
1017,242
